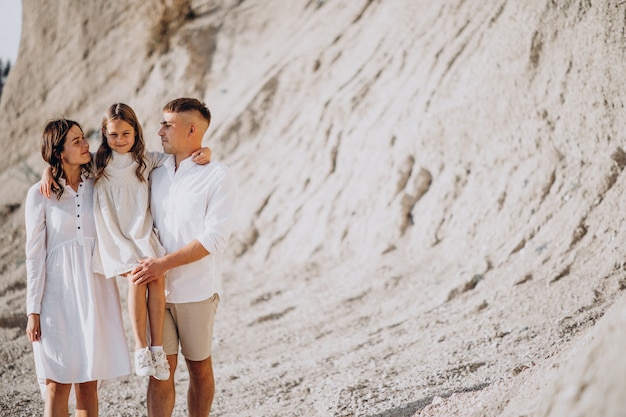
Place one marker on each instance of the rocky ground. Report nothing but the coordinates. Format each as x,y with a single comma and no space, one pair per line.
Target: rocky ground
430,217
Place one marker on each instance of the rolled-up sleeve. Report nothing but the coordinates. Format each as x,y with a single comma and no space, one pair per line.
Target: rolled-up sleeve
35,250
219,214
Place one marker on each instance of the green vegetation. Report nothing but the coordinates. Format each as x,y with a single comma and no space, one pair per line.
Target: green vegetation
5,67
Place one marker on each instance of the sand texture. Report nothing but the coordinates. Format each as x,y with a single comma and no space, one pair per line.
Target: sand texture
431,207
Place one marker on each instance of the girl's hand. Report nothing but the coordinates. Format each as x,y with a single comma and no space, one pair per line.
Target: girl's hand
33,329
47,182
202,156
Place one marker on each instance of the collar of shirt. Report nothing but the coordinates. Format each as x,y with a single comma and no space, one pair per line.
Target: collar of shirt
185,164
63,182
83,177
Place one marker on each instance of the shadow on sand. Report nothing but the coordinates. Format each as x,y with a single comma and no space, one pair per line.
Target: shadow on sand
408,410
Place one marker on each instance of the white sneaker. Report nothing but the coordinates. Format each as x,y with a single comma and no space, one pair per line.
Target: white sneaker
161,366
143,362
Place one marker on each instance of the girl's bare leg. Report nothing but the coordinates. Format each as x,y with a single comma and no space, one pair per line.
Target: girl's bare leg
156,310
137,310
57,396
87,399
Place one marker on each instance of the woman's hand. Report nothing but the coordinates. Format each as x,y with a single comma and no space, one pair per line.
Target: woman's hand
33,329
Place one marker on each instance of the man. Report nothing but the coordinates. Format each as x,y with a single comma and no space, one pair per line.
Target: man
192,206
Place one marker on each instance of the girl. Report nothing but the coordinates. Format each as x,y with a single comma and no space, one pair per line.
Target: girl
125,228
74,316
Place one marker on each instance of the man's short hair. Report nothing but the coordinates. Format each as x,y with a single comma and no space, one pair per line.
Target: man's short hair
186,104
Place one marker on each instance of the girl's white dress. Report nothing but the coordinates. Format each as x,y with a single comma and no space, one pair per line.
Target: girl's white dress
82,334
123,220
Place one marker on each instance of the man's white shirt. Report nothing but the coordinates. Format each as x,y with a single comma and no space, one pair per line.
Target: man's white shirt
193,202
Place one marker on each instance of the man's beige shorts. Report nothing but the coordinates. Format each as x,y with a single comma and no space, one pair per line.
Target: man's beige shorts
191,326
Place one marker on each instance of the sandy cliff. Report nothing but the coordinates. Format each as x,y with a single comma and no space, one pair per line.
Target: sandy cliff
431,211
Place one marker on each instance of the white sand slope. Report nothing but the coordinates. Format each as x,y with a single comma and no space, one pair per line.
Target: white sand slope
431,195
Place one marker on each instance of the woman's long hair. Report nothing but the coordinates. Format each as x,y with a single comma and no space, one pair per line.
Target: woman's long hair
121,111
52,142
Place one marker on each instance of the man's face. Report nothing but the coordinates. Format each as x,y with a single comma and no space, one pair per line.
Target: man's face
173,133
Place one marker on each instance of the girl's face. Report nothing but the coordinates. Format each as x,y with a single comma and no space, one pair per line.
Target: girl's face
120,135
75,149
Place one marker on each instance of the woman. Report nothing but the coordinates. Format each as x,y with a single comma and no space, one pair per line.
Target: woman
74,315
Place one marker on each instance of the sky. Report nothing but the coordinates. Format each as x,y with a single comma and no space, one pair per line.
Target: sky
10,29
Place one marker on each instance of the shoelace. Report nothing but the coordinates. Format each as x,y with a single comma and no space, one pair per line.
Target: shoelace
161,364
144,361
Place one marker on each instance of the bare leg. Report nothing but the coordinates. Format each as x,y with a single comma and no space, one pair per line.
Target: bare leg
138,311
156,310
87,399
57,396
162,394
201,387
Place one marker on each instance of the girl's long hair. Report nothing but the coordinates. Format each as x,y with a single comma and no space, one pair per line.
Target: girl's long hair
52,142
121,111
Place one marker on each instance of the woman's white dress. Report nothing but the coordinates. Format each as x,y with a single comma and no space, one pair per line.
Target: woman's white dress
82,333
123,219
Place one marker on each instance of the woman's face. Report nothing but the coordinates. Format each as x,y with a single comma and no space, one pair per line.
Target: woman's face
76,149
120,135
